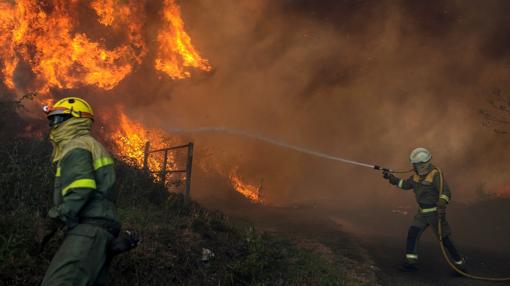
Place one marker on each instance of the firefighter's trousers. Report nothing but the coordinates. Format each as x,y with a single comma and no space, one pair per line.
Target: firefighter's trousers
81,260
422,220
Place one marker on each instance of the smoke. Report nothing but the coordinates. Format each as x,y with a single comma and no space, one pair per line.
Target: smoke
365,80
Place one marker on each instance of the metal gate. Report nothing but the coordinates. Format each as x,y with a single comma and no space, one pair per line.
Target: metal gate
163,171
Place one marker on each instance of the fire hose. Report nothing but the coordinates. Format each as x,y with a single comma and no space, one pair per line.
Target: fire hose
445,254
351,162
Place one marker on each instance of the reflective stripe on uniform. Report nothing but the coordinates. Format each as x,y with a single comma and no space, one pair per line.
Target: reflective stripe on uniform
81,183
429,210
444,197
400,183
411,256
103,161
57,174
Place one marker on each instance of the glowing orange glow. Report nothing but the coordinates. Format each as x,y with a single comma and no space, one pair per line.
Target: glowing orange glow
59,57
7,12
46,39
175,52
129,141
251,192
503,192
104,10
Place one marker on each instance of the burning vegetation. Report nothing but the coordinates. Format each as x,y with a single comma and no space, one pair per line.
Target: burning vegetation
251,192
45,36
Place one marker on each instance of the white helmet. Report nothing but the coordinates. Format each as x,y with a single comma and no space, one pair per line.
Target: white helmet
420,155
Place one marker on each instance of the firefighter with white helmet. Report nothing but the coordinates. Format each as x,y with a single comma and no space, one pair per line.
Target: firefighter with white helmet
426,184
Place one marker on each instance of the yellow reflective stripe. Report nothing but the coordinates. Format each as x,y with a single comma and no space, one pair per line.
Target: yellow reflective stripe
57,174
444,197
400,183
81,183
411,256
103,161
429,210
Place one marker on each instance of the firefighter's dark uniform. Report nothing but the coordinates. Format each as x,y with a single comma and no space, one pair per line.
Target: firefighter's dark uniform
427,188
84,200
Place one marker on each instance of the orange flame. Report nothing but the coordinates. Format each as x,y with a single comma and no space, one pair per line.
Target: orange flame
175,51
130,140
45,38
58,57
251,192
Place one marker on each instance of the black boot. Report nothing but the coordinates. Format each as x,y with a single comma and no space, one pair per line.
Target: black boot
408,267
461,265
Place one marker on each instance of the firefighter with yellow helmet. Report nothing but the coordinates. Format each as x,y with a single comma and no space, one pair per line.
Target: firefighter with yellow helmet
426,184
84,198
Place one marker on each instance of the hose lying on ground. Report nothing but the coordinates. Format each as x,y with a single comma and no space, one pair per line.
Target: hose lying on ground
445,254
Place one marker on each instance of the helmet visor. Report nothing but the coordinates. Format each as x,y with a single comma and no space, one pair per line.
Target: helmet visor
54,120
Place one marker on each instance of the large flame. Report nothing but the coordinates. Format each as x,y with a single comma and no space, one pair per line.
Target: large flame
43,38
175,52
130,139
251,192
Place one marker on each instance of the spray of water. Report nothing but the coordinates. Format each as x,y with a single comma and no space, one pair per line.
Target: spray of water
270,141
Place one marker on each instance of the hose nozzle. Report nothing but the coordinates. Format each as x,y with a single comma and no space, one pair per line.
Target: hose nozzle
376,167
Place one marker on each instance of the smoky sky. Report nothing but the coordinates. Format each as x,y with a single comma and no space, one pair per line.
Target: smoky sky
365,80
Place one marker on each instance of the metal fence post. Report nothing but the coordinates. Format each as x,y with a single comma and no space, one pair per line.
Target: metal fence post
146,155
188,170
163,167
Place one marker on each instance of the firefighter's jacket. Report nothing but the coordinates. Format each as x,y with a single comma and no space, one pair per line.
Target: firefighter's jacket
426,188
84,183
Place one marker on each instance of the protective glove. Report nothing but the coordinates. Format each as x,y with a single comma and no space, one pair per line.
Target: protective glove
126,241
390,177
441,208
45,230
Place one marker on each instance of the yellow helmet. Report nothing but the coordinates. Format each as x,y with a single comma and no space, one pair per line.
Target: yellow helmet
67,108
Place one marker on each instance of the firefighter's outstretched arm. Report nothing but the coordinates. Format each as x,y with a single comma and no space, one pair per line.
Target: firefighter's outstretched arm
396,181
78,183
